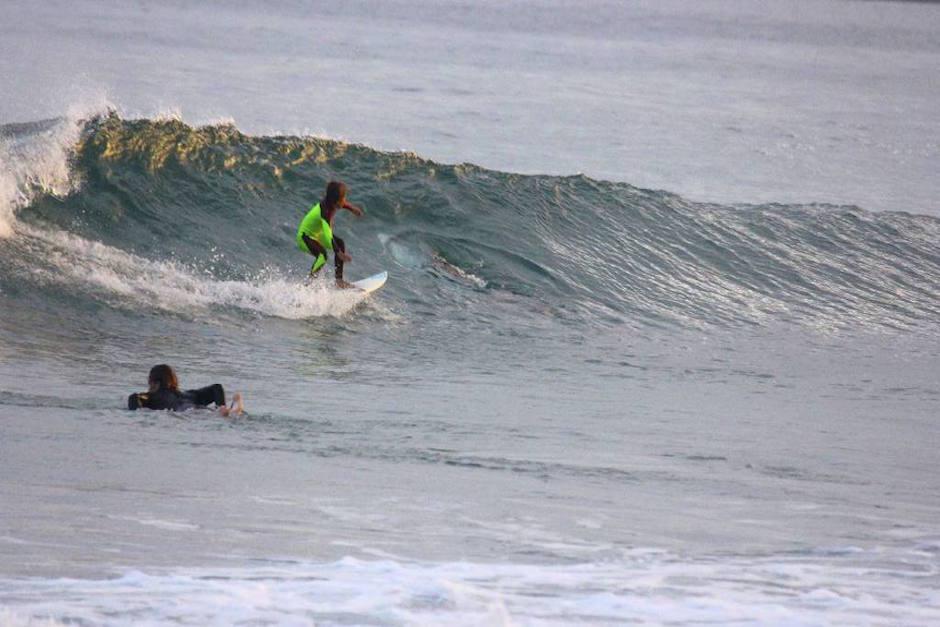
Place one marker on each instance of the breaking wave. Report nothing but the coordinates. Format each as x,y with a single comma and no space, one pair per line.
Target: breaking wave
160,214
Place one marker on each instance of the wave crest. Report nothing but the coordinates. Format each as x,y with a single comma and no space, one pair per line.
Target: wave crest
160,190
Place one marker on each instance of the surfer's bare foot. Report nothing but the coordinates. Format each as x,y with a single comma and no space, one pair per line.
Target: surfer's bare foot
345,285
235,409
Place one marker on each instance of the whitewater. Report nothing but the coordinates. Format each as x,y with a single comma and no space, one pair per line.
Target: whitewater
643,357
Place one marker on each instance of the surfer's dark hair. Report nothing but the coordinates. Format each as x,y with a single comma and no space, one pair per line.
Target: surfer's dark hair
335,190
163,377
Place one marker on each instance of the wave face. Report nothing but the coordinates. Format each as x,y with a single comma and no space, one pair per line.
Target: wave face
156,213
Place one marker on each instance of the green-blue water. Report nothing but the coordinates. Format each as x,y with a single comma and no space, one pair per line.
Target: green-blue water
564,382
685,370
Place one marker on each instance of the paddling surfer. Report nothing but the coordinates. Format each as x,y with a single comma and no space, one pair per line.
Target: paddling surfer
163,392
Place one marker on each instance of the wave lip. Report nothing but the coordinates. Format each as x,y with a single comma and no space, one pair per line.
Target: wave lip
34,160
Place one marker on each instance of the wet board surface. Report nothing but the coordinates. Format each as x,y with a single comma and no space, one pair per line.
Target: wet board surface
372,283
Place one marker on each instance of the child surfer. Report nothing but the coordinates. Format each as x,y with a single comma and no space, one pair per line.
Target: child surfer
315,233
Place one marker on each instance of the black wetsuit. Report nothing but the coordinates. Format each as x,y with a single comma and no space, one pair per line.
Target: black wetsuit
176,400
316,249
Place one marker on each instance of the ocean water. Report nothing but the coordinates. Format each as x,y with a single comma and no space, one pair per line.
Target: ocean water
660,341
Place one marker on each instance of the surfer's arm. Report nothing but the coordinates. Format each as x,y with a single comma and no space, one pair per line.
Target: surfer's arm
353,209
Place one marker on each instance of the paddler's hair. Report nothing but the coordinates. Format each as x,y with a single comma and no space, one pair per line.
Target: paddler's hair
162,377
335,192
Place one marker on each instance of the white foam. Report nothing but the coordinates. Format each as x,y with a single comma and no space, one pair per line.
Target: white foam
9,618
39,162
167,114
122,278
168,525
644,587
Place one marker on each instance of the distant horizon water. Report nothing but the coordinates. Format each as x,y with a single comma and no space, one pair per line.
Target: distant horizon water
729,101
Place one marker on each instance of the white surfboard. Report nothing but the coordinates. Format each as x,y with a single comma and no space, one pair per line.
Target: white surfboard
372,283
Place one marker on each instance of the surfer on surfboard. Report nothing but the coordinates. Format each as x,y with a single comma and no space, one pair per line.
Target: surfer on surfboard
315,233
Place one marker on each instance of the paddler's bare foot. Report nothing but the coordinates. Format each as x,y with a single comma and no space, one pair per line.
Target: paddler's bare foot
235,409
343,285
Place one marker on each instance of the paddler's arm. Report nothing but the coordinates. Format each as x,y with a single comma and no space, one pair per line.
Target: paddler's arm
137,400
353,209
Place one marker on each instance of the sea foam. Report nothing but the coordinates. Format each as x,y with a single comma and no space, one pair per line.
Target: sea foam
646,587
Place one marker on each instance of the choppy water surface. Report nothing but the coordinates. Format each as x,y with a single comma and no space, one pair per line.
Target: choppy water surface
575,401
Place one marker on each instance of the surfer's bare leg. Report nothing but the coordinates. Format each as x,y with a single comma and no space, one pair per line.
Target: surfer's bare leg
339,252
339,258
